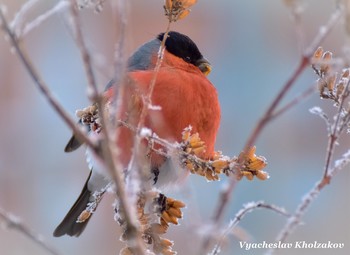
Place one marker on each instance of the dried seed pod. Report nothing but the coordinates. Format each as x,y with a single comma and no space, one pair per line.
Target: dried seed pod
190,166
170,201
196,143
318,53
220,164
126,251
251,153
209,175
199,151
218,170
166,242
175,212
215,177
178,204
186,134
331,82
168,4
261,175
217,155
166,216
169,218
183,14
168,252
248,175
201,172
188,3
325,67
340,88
257,164
164,224
327,56
321,84
345,73
188,150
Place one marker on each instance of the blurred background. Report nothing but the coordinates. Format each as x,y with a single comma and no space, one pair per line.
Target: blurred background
253,48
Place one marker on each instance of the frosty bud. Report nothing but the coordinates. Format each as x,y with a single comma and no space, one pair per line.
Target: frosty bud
345,73
331,82
318,53
327,56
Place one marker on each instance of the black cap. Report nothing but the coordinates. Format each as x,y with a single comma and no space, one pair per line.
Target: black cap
182,46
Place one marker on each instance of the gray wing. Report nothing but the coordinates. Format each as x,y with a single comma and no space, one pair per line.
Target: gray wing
140,60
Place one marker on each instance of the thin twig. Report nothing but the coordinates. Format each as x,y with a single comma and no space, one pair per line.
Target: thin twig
81,136
120,10
293,102
333,137
136,162
267,116
61,5
93,93
18,21
294,221
296,11
108,149
11,221
239,216
148,98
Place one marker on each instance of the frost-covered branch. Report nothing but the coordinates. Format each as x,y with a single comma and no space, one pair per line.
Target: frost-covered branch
12,222
42,86
22,30
310,197
297,9
335,87
108,150
308,92
93,92
335,132
247,208
268,115
19,20
174,10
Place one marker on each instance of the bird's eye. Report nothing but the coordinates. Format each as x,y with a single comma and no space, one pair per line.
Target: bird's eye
188,59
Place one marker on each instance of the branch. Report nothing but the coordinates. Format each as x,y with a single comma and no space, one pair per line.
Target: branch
61,5
247,208
308,92
303,63
296,10
43,88
108,150
295,220
11,221
148,98
93,93
268,115
18,21
333,137
147,102
119,10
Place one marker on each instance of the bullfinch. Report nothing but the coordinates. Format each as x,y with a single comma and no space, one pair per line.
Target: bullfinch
182,97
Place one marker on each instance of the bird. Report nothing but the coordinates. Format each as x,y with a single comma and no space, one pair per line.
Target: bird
183,96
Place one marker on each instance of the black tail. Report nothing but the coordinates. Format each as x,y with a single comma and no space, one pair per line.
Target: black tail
69,225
